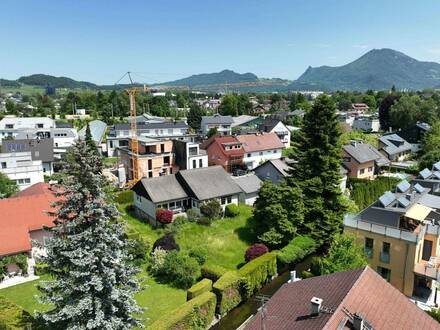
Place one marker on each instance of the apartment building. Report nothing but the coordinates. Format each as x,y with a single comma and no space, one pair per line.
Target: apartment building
188,155
259,148
9,126
400,235
20,167
156,158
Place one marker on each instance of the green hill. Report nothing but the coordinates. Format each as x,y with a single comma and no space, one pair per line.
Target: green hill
44,80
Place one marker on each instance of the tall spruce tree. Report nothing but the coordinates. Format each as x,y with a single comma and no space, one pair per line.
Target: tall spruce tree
93,283
317,171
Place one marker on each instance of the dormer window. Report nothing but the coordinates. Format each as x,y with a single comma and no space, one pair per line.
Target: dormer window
9,126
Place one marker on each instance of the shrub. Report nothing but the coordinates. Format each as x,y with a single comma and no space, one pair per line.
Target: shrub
232,210
196,313
124,197
213,272
205,221
192,215
19,259
205,285
166,242
13,316
158,260
164,216
228,291
255,251
199,253
256,272
212,209
138,248
180,269
40,269
296,250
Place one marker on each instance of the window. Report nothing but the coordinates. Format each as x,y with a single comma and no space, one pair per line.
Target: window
223,200
369,242
194,164
370,169
362,171
111,144
249,155
427,248
166,160
150,174
3,164
200,162
229,199
9,126
40,125
384,272
172,204
274,151
170,131
179,203
261,153
162,148
385,253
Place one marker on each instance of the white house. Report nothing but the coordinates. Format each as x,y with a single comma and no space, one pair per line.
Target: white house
259,148
9,126
221,123
20,167
250,184
272,125
188,155
366,124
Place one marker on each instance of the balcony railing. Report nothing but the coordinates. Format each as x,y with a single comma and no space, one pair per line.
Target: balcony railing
428,269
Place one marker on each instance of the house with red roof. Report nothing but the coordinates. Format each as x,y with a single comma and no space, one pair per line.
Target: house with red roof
260,147
22,219
226,151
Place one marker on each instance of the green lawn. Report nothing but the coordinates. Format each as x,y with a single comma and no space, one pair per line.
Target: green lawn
226,241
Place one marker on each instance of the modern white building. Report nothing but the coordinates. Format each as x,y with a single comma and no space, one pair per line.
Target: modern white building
272,125
20,167
366,124
221,123
188,155
9,126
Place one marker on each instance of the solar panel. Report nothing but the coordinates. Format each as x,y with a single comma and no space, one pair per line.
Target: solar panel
437,166
403,201
425,173
403,186
387,198
436,174
419,188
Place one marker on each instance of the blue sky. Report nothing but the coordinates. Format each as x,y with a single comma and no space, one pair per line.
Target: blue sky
97,40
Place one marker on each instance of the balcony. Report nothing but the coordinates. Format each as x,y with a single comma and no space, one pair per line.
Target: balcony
429,269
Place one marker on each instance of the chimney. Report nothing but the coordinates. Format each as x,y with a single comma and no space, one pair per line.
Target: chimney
293,277
358,322
315,305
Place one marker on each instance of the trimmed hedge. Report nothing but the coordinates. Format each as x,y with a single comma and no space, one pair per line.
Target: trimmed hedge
213,272
13,316
197,313
228,291
232,210
297,249
197,289
256,272
365,192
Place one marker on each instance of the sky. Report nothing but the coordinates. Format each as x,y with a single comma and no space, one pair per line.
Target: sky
99,40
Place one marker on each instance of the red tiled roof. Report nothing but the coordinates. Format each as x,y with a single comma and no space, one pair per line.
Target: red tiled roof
220,140
25,212
260,142
360,291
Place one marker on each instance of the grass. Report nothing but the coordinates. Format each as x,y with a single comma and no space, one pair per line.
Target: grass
109,162
25,90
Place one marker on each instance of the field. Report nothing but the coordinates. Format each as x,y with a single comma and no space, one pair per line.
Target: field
225,240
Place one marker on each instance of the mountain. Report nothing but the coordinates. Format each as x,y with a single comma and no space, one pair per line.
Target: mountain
9,83
378,69
44,80
218,78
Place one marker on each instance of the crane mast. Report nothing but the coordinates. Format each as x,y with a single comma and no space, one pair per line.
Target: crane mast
134,140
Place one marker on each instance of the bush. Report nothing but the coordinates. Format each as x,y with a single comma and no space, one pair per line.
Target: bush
192,215
205,221
256,272
296,250
199,253
20,260
213,272
167,243
124,197
164,216
212,209
13,316
196,313
138,248
180,269
255,251
40,269
232,210
205,285
158,260
228,291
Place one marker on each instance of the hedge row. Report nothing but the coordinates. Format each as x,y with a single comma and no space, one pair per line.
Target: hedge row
213,272
256,273
228,291
197,289
365,192
197,313
297,249
12,316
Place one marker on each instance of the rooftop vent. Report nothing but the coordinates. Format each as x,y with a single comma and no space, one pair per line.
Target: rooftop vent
315,306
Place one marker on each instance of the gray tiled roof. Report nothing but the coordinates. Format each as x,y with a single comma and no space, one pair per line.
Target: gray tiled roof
217,120
164,188
248,183
361,152
394,144
165,125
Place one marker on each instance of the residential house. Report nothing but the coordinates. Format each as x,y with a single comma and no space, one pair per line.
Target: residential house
362,160
272,125
22,221
155,158
250,185
394,147
414,134
120,134
9,125
188,155
430,178
187,189
260,109
259,148
223,124
246,121
359,107
400,235
274,170
40,149
146,118
20,167
356,299
226,151
366,124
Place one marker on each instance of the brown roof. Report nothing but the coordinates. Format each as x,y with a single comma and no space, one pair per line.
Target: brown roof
260,142
360,291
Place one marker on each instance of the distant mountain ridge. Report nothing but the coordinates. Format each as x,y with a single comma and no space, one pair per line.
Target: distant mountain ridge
378,69
44,80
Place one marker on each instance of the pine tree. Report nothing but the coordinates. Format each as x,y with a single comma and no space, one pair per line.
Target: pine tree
317,171
90,143
93,282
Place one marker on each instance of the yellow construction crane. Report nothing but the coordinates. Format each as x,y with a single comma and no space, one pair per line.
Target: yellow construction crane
132,91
